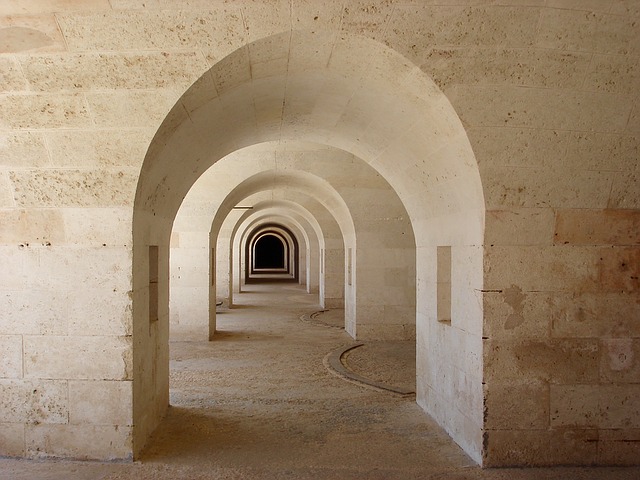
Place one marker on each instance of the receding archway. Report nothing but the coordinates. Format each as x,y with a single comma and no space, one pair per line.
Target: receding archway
384,110
280,251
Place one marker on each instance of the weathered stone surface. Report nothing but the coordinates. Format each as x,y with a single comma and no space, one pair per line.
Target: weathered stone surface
54,111
486,66
74,188
78,357
18,7
32,227
512,313
136,109
619,406
620,360
34,401
619,447
29,33
515,447
597,227
624,192
522,226
12,78
12,440
23,150
539,108
109,227
543,269
11,354
555,361
619,269
100,403
82,442
575,406
458,26
594,315
6,191
110,71
217,31
613,74
516,406
98,148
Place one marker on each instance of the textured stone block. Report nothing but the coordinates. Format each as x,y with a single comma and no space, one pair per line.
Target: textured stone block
572,447
624,192
18,7
215,29
100,403
136,109
615,74
597,151
110,71
516,406
23,150
619,269
33,401
517,147
620,360
597,227
554,361
74,188
542,269
92,358
11,354
619,406
33,311
519,226
594,315
458,26
110,313
32,227
567,30
6,191
98,148
82,442
54,111
506,106
491,66
575,406
619,447
505,448
12,440
555,187
12,79
105,227
29,31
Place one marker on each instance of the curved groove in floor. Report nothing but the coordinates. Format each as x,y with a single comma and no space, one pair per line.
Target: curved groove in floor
334,362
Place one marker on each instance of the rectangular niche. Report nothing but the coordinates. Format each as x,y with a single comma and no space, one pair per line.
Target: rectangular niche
444,284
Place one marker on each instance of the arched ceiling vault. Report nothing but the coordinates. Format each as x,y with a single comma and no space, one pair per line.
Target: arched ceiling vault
344,91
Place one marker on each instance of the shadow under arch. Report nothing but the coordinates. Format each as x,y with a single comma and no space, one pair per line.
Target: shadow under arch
355,94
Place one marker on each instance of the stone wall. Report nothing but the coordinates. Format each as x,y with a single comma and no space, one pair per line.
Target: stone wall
539,364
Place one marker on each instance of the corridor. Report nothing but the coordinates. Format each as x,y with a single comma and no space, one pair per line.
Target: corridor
258,403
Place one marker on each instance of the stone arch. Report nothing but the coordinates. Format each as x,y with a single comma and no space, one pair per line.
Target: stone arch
355,94
287,240
286,212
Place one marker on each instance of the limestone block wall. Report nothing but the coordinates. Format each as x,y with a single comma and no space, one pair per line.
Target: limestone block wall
547,93
558,154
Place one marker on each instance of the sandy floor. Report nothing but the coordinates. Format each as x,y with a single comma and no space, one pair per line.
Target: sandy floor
258,403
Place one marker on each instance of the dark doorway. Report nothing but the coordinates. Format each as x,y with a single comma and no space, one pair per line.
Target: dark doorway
269,252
